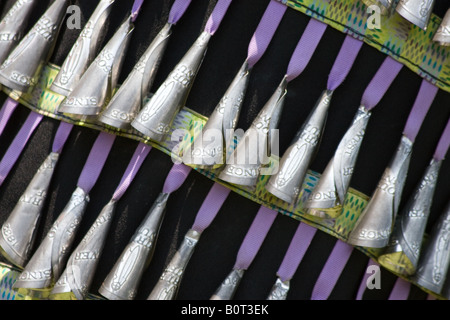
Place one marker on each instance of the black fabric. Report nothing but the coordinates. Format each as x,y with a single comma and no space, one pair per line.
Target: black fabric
216,253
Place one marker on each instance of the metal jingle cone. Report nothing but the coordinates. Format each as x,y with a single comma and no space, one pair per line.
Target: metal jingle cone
123,280
21,70
402,254
83,51
229,286
19,229
46,264
222,122
83,261
434,261
245,163
168,284
12,26
100,79
128,100
334,182
279,290
417,12
374,227
386,6
442,35
287,182
156,118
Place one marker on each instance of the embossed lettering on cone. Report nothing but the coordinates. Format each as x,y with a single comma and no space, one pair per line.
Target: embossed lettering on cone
83,51
442,35
417,12
21,70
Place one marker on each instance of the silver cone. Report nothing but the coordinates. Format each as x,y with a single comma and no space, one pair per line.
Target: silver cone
13,25
83,261
244,165
229,286
128,100
123,280
169,282
279,290
374,227
442,35
19,229
334,183
386,6
220,124
402,254
156,118
434,261
21,70
83,51
46,264
287,182
417,12
96,85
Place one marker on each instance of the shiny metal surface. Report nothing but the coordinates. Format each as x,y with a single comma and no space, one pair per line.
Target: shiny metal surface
417,12
229,286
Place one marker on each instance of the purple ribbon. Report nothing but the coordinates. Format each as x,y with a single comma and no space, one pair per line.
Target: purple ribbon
96,160
136,9
331,271
61,136
177,11
380,83
265,31
254,238
344,62
18,144
176,178
210,207
305,48
7,110
401,290
424,99
443,144
363,285
217,16
297,249
140,154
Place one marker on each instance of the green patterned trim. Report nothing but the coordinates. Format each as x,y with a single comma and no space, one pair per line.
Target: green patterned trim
396,37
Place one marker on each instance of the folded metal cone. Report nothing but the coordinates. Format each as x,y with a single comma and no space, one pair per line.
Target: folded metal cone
229,286
128,101
386,6
286,184
417,12
100,79
244,165
279,290
375,224
21,70
124,278
442,35
83,51
156,118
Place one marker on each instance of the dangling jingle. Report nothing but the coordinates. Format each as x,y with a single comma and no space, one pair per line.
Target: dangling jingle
83,51
244,165
20,71
128,100
386,6
100,79
442,35
287,182
279,290
417,12
227,289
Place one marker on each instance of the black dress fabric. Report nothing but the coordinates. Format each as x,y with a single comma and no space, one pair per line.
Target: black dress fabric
215,254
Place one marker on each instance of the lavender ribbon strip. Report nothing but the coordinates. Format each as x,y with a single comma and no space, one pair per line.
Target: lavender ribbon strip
217,16
136,161
380,83
305,48
344,62
18,144
254,238
62,134
363,285
296,251
210,207
176,178
177,11
7,110
95,162
443,144
265,31
422,104
136,9
331,271
401,290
